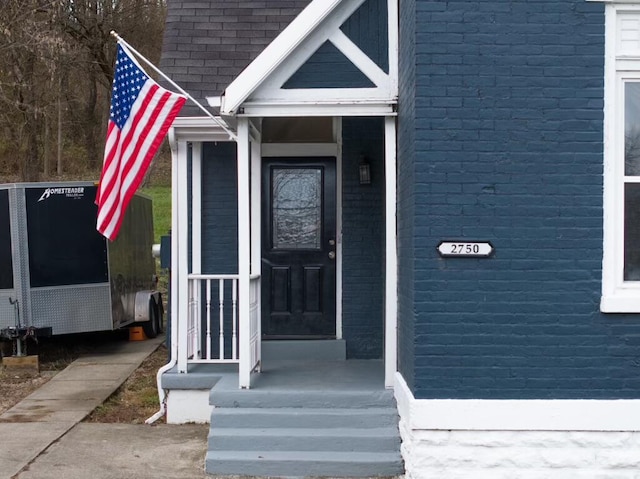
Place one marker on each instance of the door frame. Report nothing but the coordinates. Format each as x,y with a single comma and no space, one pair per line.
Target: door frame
303,150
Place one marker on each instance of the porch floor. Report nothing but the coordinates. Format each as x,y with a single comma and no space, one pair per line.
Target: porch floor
320,375
278,375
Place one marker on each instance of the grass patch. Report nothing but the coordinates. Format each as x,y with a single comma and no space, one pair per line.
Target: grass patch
161,196
137,399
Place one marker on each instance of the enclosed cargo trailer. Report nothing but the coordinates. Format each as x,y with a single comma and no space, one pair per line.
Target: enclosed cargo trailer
58,272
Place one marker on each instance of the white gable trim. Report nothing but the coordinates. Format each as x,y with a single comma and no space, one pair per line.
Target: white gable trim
276,53
260,84
360,59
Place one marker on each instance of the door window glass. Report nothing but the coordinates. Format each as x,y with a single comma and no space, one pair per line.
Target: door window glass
296,208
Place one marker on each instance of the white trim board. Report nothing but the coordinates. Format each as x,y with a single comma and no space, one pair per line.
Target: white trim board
516,415
344,106
391,253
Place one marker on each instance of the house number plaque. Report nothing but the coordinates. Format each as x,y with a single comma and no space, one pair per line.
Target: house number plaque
465,249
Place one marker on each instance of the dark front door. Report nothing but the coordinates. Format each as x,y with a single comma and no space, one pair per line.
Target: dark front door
299,248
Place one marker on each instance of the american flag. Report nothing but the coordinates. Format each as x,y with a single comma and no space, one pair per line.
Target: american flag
141,114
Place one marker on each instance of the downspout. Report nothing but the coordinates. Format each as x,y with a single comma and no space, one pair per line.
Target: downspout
173,356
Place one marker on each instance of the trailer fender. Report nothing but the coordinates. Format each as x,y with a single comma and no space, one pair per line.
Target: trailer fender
141,309
148,311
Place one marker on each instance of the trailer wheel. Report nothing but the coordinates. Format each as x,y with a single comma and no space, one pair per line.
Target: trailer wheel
152,327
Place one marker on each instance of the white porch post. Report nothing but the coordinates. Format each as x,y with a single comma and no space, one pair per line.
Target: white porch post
180,251
244,253
391,256
196,208
196,236
256,230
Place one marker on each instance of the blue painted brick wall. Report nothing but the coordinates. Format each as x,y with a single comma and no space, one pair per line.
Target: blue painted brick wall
508,148
363,238
328,68
219,209
406,190
368,28
219,229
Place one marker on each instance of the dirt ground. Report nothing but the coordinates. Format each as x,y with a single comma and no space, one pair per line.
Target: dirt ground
138,394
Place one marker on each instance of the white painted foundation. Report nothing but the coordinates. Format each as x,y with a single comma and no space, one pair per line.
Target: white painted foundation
518,439
188,406
520,454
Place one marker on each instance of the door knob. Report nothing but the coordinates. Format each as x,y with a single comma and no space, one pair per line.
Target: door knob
332,255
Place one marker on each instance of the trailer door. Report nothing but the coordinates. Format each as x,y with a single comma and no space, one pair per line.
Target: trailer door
64,246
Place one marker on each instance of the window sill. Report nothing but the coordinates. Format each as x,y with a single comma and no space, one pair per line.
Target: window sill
629,302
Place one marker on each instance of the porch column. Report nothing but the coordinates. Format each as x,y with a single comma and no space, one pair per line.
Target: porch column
244,253
391,255
256,180
180,252
196,209
256,233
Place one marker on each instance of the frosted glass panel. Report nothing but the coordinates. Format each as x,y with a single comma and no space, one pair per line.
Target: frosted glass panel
297,208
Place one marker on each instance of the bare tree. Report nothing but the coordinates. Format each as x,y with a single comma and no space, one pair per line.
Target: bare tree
56,69
25,32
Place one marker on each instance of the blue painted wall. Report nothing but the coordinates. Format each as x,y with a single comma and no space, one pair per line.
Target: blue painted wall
363,238
508,148
219,208
406,190
219,232
368,28
329,68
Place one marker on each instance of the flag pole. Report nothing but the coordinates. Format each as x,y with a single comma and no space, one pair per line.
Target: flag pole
174,84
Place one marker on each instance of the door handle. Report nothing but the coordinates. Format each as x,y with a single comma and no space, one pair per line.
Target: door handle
332,255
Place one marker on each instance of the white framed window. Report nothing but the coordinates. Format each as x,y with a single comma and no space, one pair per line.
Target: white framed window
621,259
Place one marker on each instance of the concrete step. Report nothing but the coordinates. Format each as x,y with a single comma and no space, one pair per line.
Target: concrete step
304,463
303,417
377,439
306,419
291,398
